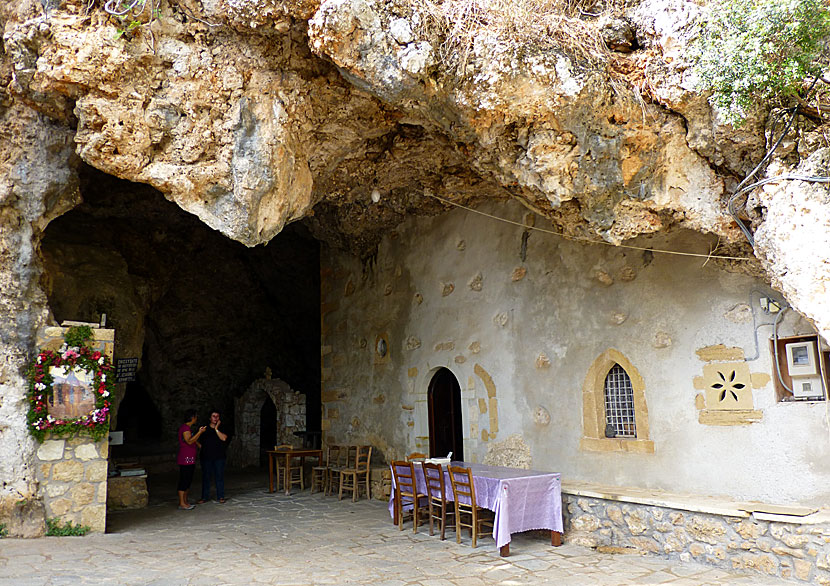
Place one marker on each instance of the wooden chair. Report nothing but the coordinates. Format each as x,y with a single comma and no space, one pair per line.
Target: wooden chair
320,473
415,457
436,497
464,493
350,478
345,459
406,492
291,475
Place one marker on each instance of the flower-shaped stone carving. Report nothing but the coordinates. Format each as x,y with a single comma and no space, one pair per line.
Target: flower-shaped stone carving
727,384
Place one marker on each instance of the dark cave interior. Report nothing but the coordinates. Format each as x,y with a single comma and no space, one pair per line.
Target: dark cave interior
205,315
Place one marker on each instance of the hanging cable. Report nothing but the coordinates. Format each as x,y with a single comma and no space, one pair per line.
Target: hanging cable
742,187
585,240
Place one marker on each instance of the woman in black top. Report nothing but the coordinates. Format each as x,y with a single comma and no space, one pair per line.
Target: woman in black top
213,443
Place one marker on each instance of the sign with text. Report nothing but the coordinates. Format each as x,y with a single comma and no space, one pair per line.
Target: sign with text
125,369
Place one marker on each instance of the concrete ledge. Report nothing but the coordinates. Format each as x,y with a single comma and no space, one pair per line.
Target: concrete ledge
729,417
633,445
699,504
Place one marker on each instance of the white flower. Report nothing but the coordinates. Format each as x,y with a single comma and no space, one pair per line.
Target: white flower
105,394
103,377
39,360
101,360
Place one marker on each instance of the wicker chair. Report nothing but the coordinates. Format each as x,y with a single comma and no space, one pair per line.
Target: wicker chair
350,478
345,459
406,493
291,475
436,497
463,489
320,473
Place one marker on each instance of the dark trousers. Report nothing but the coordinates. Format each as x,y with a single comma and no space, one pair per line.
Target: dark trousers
213,469
185,476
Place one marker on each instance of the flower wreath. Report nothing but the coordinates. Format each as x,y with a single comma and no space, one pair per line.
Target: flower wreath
74,353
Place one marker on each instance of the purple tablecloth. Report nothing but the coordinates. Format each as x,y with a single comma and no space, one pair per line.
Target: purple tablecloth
521,499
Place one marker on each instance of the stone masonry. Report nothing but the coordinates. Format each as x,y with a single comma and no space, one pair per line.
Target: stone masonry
786,550
291,416
73,477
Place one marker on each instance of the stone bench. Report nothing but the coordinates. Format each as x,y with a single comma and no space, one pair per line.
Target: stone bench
127,492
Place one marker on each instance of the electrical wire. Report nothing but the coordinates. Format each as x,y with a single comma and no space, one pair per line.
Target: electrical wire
775,345
755,325
585,240
742,187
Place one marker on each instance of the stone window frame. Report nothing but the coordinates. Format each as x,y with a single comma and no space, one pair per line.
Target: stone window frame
593,407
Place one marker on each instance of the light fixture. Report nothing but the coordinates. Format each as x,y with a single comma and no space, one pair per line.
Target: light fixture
375,195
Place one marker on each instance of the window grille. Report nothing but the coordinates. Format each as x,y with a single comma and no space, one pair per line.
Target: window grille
619,403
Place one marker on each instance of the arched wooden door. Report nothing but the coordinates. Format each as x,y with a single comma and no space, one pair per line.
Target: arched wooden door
445,431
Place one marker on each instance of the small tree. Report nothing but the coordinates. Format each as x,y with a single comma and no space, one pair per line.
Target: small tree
750,51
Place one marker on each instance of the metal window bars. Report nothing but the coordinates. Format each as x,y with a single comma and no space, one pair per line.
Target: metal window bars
619,403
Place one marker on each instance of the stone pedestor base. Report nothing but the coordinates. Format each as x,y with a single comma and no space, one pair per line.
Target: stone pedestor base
728,535
127,492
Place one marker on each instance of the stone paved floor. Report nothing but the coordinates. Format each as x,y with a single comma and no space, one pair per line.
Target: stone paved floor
261,538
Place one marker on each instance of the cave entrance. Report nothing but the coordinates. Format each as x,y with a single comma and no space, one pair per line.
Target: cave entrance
140,420
206,316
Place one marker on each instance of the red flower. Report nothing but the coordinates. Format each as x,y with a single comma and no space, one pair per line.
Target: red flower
96,355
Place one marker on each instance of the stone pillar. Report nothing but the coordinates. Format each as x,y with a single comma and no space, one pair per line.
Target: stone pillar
73,476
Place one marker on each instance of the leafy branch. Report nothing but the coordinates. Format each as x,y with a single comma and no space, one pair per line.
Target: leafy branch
130,13
752,51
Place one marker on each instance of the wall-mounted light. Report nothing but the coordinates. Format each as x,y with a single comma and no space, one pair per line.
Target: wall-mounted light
382,349
375,195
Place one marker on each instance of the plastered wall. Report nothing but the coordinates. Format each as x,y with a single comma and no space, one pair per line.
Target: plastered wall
520,320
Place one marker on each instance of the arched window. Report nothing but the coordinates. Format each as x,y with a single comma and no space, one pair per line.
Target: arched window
614,411
619,404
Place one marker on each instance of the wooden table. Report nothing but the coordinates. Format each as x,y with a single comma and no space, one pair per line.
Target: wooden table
293,453
521,499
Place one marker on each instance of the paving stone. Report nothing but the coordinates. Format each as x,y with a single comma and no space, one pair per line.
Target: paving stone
262,538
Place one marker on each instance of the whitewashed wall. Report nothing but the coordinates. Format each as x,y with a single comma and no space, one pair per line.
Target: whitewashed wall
420,292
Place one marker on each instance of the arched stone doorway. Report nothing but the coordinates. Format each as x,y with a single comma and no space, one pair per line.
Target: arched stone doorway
268,414
446,433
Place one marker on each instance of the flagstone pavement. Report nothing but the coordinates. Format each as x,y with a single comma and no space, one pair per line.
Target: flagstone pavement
304,539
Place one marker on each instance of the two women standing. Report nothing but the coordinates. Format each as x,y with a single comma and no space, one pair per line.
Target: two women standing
213,443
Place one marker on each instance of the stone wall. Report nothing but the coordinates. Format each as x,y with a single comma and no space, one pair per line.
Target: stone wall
787,550
73,477
524,319
291,416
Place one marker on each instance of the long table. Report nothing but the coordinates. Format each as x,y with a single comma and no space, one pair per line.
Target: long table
522,500
288,454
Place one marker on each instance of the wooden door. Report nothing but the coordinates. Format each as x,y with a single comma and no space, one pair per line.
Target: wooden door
445,431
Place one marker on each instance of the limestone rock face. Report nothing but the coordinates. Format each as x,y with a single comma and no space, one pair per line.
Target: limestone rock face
251,114
795,235
39,182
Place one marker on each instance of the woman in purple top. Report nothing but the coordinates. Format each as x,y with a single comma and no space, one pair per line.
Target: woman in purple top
187,456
